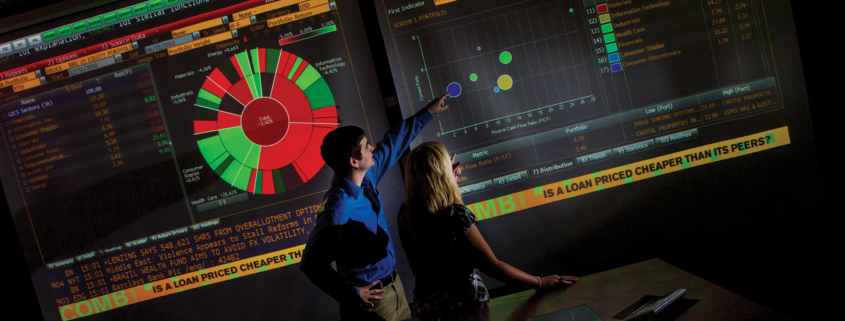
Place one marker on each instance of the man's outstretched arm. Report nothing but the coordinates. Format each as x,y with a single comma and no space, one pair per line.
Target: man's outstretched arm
388,151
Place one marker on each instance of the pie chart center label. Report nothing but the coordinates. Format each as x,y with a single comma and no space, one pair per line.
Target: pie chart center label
265,121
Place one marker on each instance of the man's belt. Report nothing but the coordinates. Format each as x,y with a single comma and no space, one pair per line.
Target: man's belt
385,281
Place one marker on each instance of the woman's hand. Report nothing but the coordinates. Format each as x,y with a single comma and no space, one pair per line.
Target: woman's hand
554,281
456,167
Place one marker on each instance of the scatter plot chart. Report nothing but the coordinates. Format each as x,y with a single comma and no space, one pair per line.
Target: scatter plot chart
518,62
260,118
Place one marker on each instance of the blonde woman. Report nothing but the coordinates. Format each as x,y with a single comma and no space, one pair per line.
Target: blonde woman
444,246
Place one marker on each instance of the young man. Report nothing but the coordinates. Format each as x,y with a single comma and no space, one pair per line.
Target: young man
351,229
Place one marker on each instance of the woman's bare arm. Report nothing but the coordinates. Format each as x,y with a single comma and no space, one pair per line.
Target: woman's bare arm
488,263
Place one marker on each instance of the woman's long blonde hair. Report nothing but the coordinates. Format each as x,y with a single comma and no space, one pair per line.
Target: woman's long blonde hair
429,182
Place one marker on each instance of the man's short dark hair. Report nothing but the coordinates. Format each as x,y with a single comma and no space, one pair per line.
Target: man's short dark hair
341,144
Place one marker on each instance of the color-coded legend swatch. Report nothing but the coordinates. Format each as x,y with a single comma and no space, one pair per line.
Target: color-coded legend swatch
609,38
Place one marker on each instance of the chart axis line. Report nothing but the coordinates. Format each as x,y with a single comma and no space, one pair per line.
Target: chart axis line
525,112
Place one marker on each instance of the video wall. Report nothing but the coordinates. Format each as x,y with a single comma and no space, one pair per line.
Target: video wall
166,146
593,129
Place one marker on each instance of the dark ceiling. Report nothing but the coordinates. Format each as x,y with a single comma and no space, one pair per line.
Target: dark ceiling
10,8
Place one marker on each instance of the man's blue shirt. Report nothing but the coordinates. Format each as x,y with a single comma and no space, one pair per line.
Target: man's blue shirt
351,229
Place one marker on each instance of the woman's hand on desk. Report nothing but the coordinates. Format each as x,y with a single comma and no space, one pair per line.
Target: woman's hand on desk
555,281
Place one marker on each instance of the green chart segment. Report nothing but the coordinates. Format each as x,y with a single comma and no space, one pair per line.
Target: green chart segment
260,118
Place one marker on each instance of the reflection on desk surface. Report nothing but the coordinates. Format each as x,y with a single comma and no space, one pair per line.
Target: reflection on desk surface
579,313
606,293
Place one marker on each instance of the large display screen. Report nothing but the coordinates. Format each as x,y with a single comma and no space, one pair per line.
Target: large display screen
592,129
156,147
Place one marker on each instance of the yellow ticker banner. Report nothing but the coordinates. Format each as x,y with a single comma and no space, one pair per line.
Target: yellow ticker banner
630,173
182,282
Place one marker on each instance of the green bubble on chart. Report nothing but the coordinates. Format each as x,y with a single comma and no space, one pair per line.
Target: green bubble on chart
473,77
505,57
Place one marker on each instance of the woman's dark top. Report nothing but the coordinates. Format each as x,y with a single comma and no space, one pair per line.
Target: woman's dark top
440,255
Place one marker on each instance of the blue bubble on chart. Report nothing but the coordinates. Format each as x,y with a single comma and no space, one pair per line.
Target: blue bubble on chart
495,90
454,89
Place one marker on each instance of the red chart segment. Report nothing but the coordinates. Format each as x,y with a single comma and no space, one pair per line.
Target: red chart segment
267,186
262,60
289,65
272,135
310,162
299,71
251,185
204,126
234,61
213,87
241,92
282,63
227,120
286,151
219,80
326,112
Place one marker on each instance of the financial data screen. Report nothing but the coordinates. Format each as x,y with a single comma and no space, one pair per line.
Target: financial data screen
587,129
157,147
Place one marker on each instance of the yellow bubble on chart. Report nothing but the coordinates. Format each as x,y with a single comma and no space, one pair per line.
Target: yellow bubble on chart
505,82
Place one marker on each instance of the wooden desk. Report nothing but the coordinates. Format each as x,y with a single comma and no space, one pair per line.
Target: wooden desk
609,292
